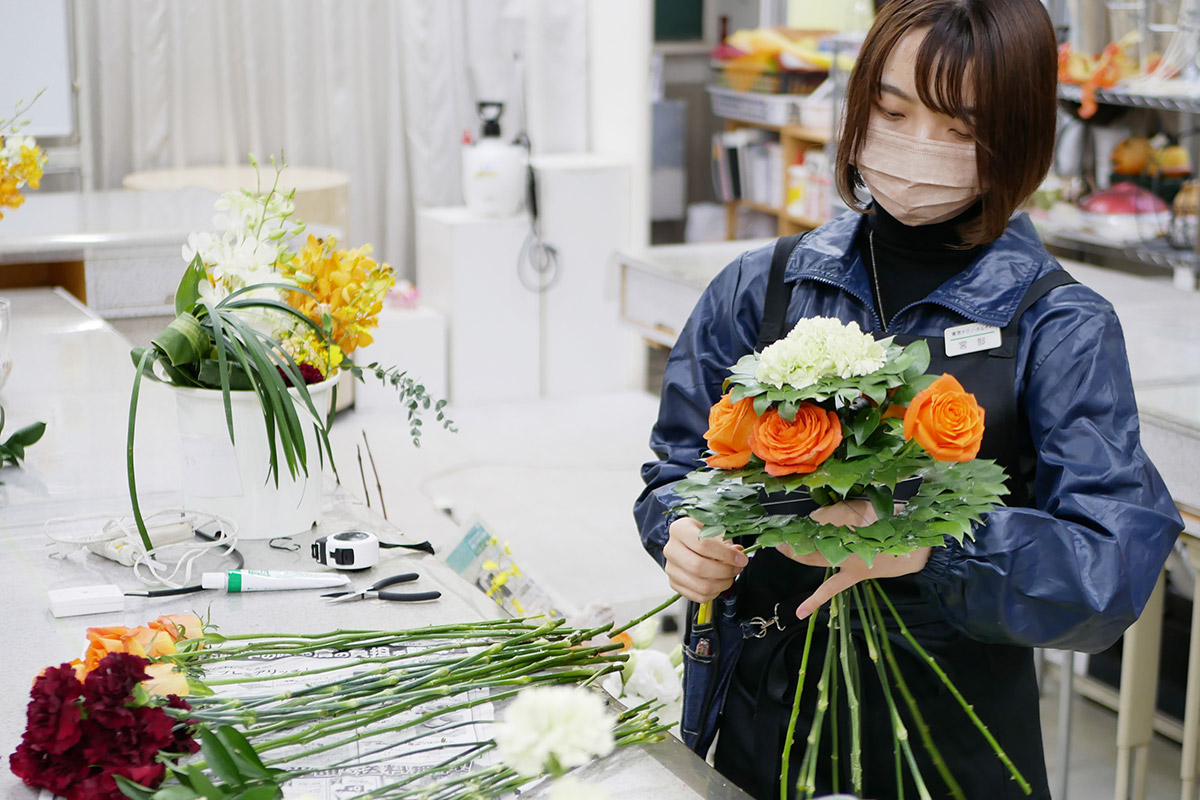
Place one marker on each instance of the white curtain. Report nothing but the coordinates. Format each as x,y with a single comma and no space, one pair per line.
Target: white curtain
380,89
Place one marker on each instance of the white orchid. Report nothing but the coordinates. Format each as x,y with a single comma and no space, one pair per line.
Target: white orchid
554,728
243,212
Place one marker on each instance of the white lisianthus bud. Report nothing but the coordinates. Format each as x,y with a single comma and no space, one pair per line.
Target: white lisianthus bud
653,677
643,633
553,728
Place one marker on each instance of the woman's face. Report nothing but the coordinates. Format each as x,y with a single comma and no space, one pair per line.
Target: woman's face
898,107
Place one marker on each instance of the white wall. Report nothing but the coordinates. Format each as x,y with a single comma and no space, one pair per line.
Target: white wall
620,38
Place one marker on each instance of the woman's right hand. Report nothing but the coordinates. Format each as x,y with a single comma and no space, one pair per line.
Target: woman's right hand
700,569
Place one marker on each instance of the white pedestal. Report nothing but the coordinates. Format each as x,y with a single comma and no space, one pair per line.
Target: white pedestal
467,271
411,339
585,209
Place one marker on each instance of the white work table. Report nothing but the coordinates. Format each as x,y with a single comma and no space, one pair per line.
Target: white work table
119,251
73,371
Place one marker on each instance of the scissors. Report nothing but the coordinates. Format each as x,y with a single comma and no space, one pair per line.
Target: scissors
375,590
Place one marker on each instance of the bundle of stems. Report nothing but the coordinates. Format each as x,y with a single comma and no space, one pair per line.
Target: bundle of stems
392,702
840,673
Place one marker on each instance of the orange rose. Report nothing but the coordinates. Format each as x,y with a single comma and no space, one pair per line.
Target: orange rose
179,626
796,447
728,435
946,421
165,679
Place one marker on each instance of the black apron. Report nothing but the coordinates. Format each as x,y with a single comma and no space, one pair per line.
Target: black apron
998,680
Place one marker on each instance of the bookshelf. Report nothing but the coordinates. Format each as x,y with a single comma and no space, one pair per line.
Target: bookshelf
792,139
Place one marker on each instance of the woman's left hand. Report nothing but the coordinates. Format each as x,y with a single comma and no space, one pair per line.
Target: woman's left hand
851,514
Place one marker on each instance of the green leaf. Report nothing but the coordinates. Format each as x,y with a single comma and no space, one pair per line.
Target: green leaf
787,410
185,341
881,500
832,549
761,404
260,793
218,759
865,424
178,792
222,364
132,790
189,286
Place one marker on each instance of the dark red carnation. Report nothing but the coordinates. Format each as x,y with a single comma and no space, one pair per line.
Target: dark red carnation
137,743
54,711
54,772
307,371
108,688
102,785
183,742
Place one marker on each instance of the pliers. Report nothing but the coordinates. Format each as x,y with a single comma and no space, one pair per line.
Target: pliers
375,591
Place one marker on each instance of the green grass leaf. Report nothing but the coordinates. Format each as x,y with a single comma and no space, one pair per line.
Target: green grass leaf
188,291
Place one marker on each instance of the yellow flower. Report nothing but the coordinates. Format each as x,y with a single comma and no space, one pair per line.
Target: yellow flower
348,285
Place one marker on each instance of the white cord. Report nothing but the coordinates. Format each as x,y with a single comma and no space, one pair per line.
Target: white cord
152,570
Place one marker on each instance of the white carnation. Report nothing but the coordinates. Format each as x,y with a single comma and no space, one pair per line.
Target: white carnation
571,788
653,677
819,347
553,725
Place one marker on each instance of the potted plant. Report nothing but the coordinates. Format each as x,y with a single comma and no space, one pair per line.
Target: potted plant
261,335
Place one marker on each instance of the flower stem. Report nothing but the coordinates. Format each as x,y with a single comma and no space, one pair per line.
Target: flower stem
970,711
899,731
785,763
902,686
808,767
850,671
661,607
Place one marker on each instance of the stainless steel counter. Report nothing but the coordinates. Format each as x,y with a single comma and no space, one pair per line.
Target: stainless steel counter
73,371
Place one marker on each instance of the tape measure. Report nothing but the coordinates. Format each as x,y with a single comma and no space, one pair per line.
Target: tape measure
347,550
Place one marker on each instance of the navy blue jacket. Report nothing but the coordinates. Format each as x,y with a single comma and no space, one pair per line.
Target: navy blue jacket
1075,571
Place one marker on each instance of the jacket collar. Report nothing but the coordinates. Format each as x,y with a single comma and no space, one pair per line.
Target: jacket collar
988,291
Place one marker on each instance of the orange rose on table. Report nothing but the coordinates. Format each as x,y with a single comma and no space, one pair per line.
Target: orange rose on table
728,434
798,447
946,421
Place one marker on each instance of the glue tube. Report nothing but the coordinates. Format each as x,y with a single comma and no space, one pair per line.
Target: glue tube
266,580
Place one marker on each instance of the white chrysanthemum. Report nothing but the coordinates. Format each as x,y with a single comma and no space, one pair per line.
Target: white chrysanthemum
653,676
553,725
569,787
819,347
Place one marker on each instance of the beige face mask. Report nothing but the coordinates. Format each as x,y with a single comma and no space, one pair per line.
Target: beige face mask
917,181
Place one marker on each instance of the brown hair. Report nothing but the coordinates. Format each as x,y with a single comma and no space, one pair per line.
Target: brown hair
1007,49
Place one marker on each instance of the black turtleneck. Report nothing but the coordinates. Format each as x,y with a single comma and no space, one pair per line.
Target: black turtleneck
914,260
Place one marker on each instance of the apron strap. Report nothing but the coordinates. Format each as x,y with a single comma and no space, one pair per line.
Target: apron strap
1035,292
775,304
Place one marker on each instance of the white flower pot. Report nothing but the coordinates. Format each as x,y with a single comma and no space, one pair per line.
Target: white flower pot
234,480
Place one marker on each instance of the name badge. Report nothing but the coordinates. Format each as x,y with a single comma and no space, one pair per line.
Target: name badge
971,339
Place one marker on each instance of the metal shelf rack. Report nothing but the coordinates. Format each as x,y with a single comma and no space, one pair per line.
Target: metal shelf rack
1183,264
1186,101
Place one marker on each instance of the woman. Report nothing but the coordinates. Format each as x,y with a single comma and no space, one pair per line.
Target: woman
950,117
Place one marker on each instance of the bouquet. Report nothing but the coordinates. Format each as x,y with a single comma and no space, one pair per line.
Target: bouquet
409,713
254,315
112,716
22,162
828,414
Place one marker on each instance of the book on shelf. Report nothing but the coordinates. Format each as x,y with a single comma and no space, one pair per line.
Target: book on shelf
748,165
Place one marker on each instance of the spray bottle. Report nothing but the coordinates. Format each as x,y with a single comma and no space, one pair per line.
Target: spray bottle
493,171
